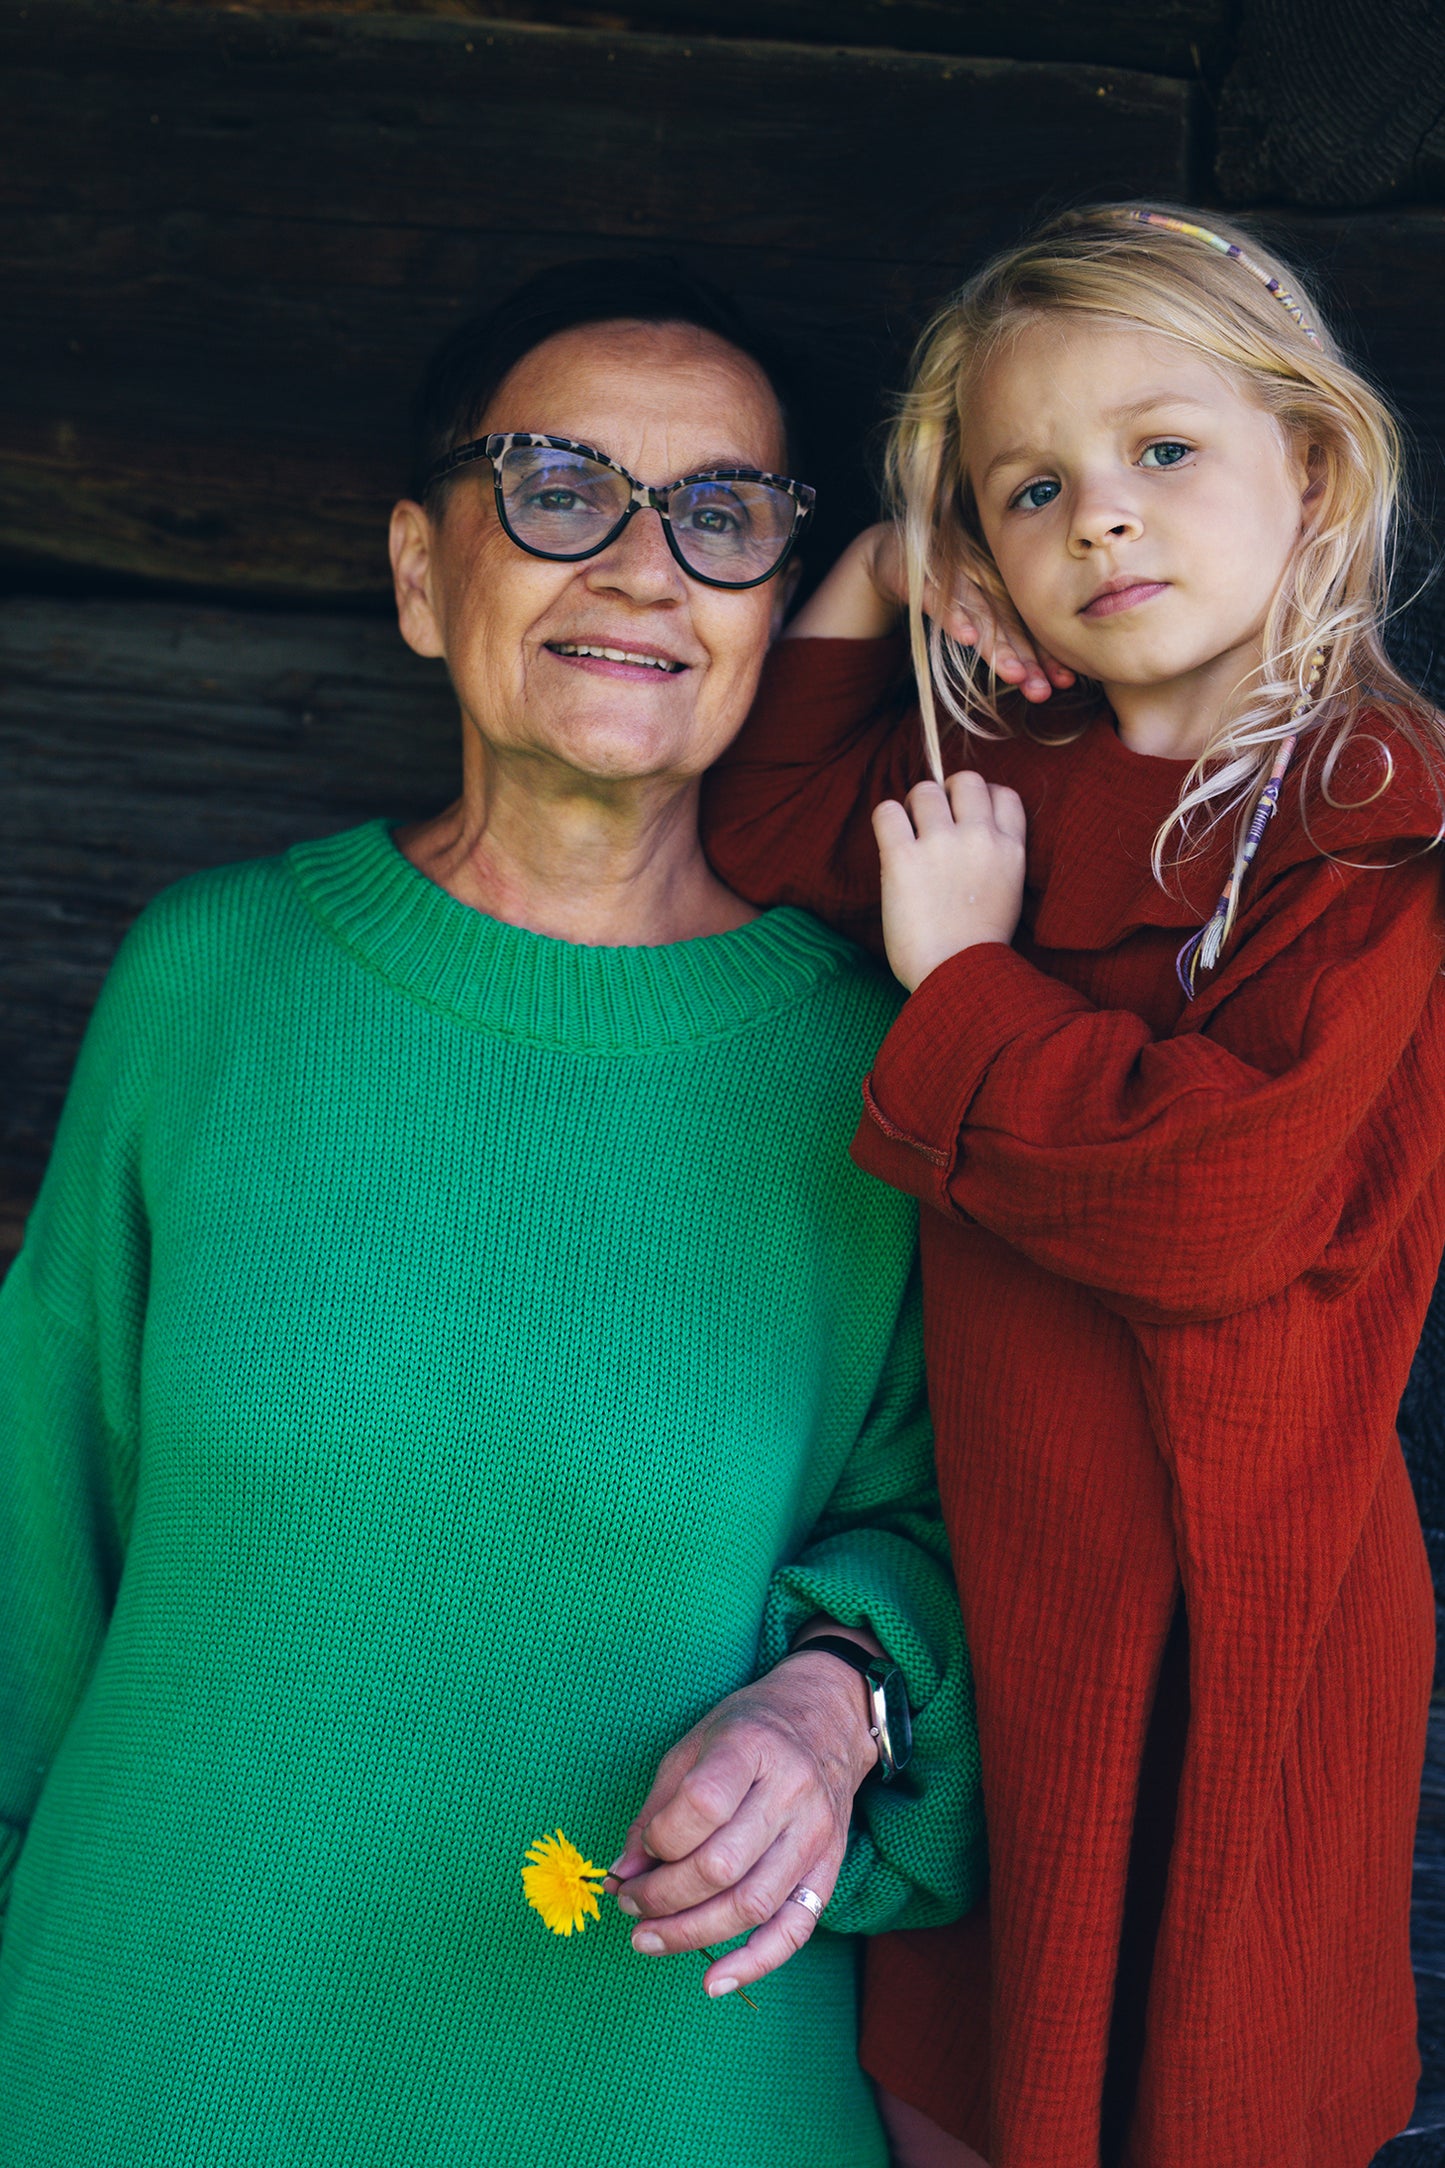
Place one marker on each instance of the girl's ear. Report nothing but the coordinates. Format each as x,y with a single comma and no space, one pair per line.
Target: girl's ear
1314,475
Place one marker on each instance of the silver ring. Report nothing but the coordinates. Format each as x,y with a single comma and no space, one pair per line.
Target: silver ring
807,1898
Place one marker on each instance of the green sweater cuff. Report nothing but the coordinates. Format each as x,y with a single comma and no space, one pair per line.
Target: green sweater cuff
916,1854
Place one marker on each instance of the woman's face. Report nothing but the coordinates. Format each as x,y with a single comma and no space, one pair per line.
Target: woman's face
663,400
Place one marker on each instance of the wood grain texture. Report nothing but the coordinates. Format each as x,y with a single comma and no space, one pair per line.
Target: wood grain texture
229,241
142,742
1172,37
1334,104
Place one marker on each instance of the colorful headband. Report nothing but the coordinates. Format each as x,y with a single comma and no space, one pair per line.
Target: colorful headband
1202,950
1217,241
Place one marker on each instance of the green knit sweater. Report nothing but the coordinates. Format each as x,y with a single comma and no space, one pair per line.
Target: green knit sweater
444,1362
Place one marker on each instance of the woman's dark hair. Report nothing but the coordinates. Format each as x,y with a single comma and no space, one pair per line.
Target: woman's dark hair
466,369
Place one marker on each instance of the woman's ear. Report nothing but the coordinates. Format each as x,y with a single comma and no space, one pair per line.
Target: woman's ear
784,589
411,543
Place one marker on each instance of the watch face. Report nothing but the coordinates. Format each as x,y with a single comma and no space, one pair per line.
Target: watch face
900,1724
896,1718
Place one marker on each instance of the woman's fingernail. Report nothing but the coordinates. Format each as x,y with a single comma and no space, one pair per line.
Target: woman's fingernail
617,1863
723,1987
627,1904
650,1945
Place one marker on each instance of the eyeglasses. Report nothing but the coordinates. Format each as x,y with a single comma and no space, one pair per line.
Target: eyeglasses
729,527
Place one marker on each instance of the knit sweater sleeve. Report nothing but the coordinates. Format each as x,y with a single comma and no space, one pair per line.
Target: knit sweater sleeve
71,1313
1078,1135
878,1557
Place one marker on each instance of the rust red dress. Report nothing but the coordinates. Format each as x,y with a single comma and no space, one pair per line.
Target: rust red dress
1177,1255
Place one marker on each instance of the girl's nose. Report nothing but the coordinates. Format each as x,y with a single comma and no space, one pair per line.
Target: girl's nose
1102,522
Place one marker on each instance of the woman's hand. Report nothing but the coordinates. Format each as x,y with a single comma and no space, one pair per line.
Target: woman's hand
863,594
755,1800
953,870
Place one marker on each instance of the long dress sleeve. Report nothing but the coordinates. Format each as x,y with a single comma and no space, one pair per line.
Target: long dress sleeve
878,1557
1190,1175
786,813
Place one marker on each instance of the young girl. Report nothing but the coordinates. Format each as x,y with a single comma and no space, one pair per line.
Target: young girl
1171,1084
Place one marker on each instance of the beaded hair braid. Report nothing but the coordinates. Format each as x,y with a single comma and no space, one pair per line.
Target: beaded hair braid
1202,950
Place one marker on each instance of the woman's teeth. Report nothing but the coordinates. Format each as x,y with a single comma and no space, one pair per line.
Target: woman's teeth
613,654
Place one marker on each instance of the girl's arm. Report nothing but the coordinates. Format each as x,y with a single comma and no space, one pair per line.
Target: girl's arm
834,729
1193,1175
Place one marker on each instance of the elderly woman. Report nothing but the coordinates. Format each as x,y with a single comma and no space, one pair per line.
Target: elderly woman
452,1364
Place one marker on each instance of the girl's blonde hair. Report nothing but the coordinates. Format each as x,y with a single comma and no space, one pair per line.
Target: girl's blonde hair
1105,264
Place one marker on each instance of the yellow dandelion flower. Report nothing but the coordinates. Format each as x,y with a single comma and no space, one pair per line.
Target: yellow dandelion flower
561,1884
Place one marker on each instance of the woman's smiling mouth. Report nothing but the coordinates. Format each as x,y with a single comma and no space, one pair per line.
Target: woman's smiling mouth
611,658
1118,595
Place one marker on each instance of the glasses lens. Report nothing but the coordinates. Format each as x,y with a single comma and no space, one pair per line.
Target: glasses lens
560,503
734,532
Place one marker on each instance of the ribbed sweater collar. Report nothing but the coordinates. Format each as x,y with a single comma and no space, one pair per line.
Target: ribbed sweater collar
502,978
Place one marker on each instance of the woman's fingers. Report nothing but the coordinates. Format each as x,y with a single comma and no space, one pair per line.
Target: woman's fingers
635,1858
738,1910
779,1938
707,1802
720,1862
762,1907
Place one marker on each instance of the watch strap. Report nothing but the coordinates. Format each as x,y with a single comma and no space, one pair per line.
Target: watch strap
836,1645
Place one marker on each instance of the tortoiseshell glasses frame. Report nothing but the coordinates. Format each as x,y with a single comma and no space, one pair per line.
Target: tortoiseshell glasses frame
772,493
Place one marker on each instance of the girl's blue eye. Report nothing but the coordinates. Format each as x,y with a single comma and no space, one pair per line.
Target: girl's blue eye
1166,453
1034,496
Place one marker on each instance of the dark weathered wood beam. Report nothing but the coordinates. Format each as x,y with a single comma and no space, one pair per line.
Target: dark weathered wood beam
227,241
1169,37
1336,105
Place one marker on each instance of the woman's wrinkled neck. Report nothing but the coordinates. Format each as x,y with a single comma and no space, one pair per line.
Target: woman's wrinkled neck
598,861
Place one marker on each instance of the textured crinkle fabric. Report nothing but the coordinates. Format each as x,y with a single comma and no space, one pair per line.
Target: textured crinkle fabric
443,1363
1176,1259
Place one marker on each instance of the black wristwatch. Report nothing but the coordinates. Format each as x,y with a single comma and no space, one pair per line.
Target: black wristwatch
887,1696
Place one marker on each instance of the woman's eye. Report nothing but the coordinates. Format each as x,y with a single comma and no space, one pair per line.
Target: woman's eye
717,518
1167,453
1034,496
556,499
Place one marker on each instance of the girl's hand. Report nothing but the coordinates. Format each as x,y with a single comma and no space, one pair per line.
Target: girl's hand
966,613
755,1800
953,870
863,594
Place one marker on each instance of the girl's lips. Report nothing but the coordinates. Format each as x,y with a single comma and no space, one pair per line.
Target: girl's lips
1123,598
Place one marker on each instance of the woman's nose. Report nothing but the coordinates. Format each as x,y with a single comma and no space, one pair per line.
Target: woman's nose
639,563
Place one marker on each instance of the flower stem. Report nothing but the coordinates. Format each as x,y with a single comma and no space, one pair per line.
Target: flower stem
711,1956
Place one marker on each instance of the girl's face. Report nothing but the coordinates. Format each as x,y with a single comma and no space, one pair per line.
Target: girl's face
1141,508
